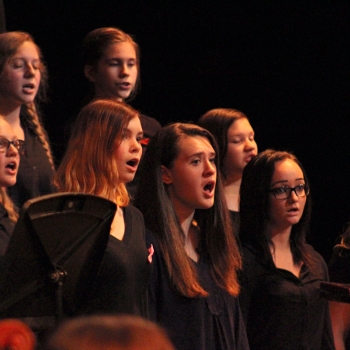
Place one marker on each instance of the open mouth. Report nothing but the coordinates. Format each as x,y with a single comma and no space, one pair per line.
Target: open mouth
28,87
11,166
133,162
292,210
209,187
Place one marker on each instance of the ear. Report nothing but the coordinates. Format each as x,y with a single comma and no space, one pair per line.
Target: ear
166,175
90,72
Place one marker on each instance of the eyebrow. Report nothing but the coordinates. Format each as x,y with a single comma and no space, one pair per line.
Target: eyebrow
283,181
198,154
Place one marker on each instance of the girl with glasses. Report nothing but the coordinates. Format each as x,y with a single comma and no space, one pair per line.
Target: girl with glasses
10,148
103,154
23,79
194,286
281,272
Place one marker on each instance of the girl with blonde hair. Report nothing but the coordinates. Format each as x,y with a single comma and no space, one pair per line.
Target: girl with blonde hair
103,154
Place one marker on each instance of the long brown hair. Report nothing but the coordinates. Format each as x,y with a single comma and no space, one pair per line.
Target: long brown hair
255,206
217,237
89,165
9,44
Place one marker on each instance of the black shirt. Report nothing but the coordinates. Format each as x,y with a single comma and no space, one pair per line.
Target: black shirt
283,311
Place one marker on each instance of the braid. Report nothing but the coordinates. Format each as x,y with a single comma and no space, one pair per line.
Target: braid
8,205
33,120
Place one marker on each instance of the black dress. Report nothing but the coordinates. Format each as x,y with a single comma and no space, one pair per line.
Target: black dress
283,311
6,229
124,274
35,174
210,323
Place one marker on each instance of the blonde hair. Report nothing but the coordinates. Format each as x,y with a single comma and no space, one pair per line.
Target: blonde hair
90,164
8,205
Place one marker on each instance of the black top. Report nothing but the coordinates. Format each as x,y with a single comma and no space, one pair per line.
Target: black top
281,310
210,323
150,126
124,274
35,174
6,229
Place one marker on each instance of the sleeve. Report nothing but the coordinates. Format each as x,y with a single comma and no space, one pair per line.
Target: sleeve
327,334
153,285
248,279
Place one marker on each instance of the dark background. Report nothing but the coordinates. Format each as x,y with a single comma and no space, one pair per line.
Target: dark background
286,64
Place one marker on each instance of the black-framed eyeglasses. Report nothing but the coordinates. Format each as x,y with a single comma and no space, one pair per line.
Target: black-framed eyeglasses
284,192
5,145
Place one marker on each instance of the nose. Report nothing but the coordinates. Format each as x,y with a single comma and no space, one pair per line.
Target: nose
11,150
30,70
210,168
135,146
293,196
124,70
250,145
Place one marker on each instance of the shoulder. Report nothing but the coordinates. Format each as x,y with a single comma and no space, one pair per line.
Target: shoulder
133,212
317,261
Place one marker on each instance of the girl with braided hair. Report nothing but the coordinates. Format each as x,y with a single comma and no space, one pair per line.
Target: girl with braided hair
23,78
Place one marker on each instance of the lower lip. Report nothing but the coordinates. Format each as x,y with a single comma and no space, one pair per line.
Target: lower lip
11,172
293,213
124,87
209,195
132,168
28,91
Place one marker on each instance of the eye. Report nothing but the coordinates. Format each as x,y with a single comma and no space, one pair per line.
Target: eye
280,190
3,142
36,65
17,63
195,161
114,63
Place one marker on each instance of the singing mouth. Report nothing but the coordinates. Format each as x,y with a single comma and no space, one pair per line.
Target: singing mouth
209,186
133,162
11,166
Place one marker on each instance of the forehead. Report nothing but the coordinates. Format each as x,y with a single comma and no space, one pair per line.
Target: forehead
27,49
287,169
240,125
135,123
189,145
120,50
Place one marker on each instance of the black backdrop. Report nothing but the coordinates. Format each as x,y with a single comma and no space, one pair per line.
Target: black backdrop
285,64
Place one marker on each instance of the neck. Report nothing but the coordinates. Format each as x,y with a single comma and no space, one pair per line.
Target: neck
186,223
191,231
281,237
231,191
